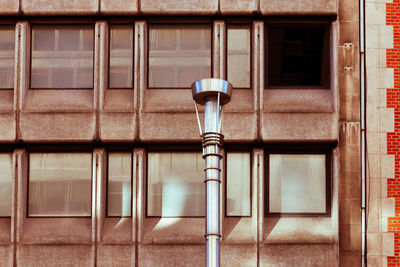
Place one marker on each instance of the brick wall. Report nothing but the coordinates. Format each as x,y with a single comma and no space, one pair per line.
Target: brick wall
393,139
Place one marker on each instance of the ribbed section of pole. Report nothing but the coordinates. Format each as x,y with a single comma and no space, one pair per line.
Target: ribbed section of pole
211,154
212,140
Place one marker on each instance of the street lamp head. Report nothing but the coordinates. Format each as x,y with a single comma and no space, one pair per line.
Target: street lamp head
203,89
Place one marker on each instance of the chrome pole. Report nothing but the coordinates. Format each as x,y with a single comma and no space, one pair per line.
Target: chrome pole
213,94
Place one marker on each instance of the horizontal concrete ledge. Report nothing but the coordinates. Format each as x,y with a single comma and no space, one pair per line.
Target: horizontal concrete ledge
299,7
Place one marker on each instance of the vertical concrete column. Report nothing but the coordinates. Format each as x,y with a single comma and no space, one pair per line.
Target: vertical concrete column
219,58
101,62
20,160
139,159
258,197
99,192
140,75
22,69
258,70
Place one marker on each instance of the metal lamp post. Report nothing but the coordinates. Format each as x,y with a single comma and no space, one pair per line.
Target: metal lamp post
213,94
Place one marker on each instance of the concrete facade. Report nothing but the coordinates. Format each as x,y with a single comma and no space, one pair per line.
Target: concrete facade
137,118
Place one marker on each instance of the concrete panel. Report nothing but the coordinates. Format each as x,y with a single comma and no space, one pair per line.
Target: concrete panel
179,7
239,255
57,126
298,101
349,134
350,237
7,127
59,100
6,255
238,6
57,231
298,230
169,126
5,231
6,100
59,7
116,255
350,259
173,231
117,127
238,230
298,255
299,127
118,7
55,255
300,7
239,126
9,7
172,255
117,231
119,101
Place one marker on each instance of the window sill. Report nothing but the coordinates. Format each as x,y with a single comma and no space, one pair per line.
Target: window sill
296,100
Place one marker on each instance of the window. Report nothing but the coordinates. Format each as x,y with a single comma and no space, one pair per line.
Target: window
238,192
298,182
5,184
62,56
239,58
298,55
119,184
121,56
175,184
7,47
60,184
178,55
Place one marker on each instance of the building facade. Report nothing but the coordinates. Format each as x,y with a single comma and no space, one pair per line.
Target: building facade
100,159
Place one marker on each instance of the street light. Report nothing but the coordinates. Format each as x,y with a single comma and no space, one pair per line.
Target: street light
213,94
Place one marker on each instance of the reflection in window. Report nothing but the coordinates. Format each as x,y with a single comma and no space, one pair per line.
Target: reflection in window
178,55
238,184
119,184
60,184
175,184
62,56
121,56
298,56
238,65
7,47
5,184
297,183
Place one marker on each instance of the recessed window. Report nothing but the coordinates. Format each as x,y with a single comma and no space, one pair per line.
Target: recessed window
60,184
121,56
119,184
297,183
178,55
5,184
175,184
298,56
62,56
238,59
238,184
7,47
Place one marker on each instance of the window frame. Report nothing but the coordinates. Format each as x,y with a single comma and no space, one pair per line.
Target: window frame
13,25
239,23
304,149
29,152
225,162
7,149
178,23
325,23
132,24
55,24
107,180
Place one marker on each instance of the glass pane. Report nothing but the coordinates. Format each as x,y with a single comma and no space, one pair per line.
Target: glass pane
175,184
239,60
7,46
59,54
119,184
298,56
238,184
121,56
60,184
5,184
297,183
178,55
